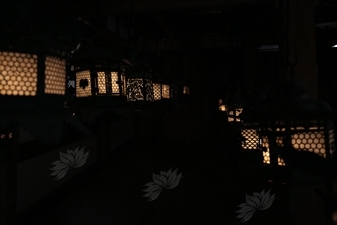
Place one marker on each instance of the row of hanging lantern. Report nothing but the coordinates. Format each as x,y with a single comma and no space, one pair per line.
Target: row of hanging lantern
98,75
306,126
120,79
37,70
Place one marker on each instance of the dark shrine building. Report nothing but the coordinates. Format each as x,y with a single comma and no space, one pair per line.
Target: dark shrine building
168,112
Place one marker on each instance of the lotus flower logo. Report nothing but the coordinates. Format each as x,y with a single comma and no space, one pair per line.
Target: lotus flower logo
73,158
167,180
255,202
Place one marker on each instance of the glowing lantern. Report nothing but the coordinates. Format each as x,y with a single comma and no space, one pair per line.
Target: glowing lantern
100,78
32,68
139,86
300,125
161,90
222,106
233,113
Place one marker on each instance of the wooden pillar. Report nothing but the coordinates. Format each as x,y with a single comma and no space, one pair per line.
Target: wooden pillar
297,36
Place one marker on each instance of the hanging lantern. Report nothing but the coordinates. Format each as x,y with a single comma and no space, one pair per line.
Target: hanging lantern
100,78
161,90
300,125
33,69
139,86
233,113
233,105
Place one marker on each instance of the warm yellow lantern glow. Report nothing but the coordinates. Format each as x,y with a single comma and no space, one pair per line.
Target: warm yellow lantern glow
3,136
124,84
55,76
157,91
114,83
166,91
107,87
251,139
101,83
18,74
233,114
222,108
303,140
266,154
161,91
83,91
186,90
311,141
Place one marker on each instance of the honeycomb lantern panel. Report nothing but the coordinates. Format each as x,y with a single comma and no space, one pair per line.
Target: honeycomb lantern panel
251,139
55,76
101,82
114,83
82,77
315,145
157,91
13,70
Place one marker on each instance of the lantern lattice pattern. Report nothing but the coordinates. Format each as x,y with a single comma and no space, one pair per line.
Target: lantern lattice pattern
18,74
234,114
137,87
266,154
161,91
251,139
124,84
108,83
157,91
311,140
83,91
55,75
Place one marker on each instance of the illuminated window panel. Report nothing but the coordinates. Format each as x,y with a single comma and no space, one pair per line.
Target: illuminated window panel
157,91
135,86
114,83
149,90
18,74
251,139
234,115
83,84
166,91
101,83
186,90
55,76
310,141
123,78
266,154
6,135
